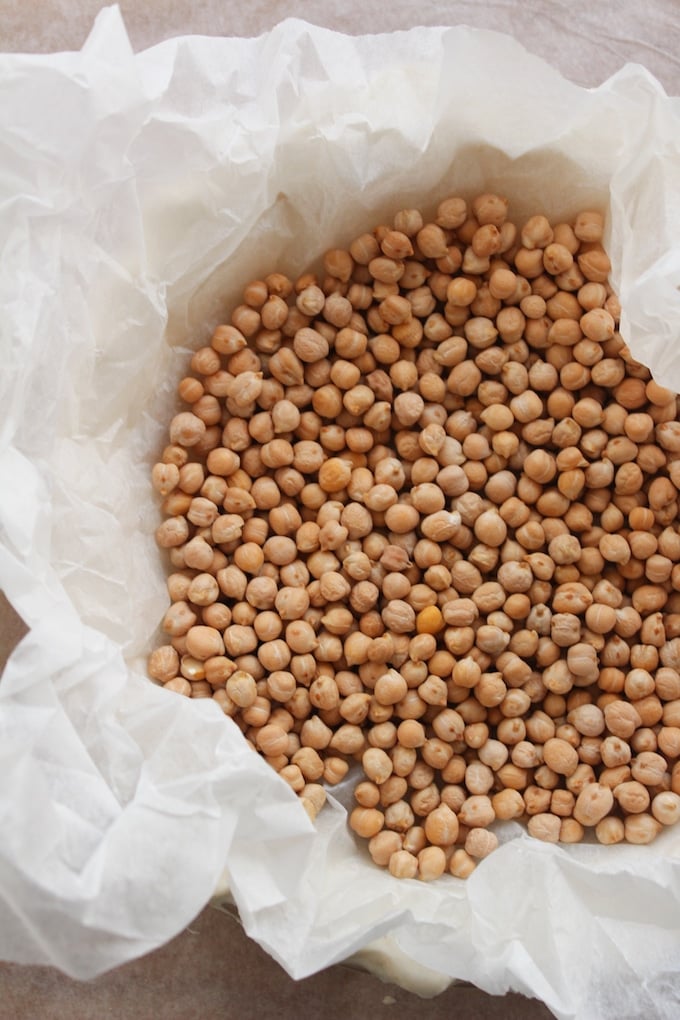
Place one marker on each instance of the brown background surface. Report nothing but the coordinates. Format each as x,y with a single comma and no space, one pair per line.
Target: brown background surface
586,40
212,970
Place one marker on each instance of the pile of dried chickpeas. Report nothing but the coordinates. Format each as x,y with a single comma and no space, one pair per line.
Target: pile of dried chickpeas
421,511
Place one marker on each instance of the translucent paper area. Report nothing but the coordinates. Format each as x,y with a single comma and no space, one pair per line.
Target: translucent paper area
138,194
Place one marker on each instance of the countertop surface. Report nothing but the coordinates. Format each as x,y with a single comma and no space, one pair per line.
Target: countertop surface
586,41
212,970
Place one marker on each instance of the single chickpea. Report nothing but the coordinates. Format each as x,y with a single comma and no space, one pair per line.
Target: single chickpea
461,864
641,828
508,804
545,826
666,807
592,804
649,768
479,843
610,830
560,756
403,864
441,826
366,822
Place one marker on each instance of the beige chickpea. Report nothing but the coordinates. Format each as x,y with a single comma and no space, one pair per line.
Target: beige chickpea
403,864
592,804
177,585
615,752
562,803
560,756
649,768
172,533
461,864
441,826
394,789
589,225
490,528
479,778
545,826
310,763
536,233
366,822
216,615
272,740
165,478
666,807
186,429
571,831
452,213
641,828
390,688
383,846
547,779
508,804
241,688
583,663
621,719
400,817
163,664
668,739
479,843
431,863
477,811
204,642
610,830
301,637
377,765
632,796
367,794
179,685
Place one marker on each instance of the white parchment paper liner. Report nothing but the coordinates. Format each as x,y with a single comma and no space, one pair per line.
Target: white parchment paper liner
138,194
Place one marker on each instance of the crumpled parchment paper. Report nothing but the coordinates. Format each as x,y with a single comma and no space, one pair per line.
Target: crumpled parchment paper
138,194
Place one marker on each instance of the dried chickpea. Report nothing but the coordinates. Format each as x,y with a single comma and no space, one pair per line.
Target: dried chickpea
461,864
545,826
593,803
403,864
423,514
366,822
479,843
164,664
641,828
508,804
431,863
666,807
